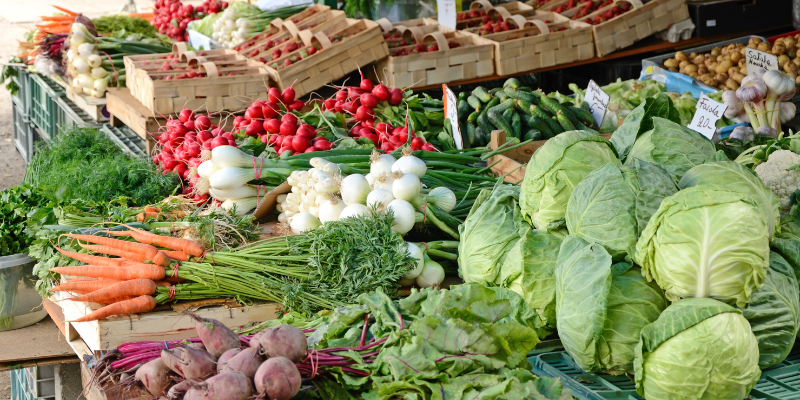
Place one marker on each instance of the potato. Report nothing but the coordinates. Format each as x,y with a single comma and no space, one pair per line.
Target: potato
692,75
752,46
693,55
791,52
670,63
735,57
698,60
684,63
672,70
713,66
702,69
783,59
721,78
738,77
704,77
724,66
733,70
691,68
791,67
764,46
789,42
797,80
715,52
732,84
792,74
796,61
681,56
721,58
754,40
778,49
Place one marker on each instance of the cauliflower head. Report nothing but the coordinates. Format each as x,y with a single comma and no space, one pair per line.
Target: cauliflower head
775,176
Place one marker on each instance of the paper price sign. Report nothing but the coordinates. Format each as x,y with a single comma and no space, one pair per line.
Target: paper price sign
706,117
758,59
451,113
597,100
447,12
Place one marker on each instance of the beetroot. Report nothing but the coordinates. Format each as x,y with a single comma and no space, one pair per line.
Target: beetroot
225,357
154,375
217,337
284,341
225,386
278,378
190,363
246,362
254,340
177,391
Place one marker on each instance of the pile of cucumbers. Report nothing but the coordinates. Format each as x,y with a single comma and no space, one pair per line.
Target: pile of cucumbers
521,112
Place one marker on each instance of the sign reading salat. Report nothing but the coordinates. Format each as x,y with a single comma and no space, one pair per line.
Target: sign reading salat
597,100
706,117
758,59
451,113
447,12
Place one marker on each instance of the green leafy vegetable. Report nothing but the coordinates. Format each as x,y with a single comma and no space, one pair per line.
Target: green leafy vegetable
15,204
640,120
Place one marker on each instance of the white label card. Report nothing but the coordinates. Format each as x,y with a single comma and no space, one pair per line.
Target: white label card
759,59
597,100
451,113
706,117
447,13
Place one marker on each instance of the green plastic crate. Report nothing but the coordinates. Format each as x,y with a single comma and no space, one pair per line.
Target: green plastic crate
69,115
20,389
24,135
23,96
44,93
126,139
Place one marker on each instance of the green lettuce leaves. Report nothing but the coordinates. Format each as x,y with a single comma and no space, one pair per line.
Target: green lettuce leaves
640,120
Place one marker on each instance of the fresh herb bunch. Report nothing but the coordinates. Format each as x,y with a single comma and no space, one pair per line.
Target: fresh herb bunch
15,204
83,163
115,23
8,72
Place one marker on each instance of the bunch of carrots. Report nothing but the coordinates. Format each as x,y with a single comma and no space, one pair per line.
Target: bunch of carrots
123,284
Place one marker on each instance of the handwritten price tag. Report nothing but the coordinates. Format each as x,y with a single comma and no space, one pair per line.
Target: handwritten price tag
451,113
447,12
597,100
759,59
706,117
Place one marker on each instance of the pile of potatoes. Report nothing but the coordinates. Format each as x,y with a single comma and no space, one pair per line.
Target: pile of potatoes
724,68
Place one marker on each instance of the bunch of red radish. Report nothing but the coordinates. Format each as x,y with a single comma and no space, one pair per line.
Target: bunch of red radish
360,103
182,143
171,17
275,124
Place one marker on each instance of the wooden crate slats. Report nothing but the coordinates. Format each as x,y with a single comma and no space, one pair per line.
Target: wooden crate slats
637,24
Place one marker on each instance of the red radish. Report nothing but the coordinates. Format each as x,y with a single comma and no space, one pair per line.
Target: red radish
300,143
193,364
354,93
274,95
227,135
288,94
288,128
387,147
350,107
193,150
341,95
339,107
189,125
195,162
305,132
219,141
254,128
322,145
310,149
204,136
369,123
295,105
154,375
225,386
284,341
365,131
255,112
330,104
272,125
372,137
287,142
278,378
366,84
285,149
237,121
266,139
290,118
216,132
270,110
202,122
168,163
207,145
381,92
395,97
397,140
369,100
363,113
246,362
417,143
428,147
185,115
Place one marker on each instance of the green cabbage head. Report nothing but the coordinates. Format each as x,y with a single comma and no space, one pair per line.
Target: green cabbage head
601,307
697,349
732,176
556,168
705,242
671,146
774,312
613,204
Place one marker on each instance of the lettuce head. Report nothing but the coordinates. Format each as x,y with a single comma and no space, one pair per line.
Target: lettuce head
697,349
706,242
554,171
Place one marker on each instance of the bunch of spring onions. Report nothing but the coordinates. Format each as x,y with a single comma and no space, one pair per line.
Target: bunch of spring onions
95,62
241,20
763,98
320,195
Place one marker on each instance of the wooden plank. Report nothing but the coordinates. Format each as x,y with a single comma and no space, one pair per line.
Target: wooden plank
96,108
40,342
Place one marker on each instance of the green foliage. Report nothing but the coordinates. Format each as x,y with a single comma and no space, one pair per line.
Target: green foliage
640,120
15,205
8,72
83,163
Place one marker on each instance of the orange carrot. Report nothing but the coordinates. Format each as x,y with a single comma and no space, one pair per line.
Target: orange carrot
59,18
176,255
84,286
163,284
189,247
90,259
136,305
149,209
115,252
141,217
119,291
65,11
173,279
128,272
152,253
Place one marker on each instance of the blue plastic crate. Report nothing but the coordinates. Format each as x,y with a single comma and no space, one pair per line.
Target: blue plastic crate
44,93
126,139
20,389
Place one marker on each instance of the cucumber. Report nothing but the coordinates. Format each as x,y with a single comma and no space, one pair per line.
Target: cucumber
484,122
471,139
474,103
482,117
481,136
473,117
533,134
520,95
512,83
540,112
539,124
495,90
555,107
482,95
525,89
564,121
501,95
462,96
584,105
524,106
463,108
495,115
516,123
584,117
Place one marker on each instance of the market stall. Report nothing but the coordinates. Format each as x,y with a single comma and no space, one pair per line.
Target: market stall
224,201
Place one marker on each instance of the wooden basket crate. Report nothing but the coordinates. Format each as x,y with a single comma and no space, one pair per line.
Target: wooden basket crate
512,163
514,53
514,8
474,58
637,24
408,32
362,44
325,20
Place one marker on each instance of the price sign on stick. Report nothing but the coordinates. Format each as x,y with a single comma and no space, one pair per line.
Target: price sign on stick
597,100
758,59
451,113
447,12
706,117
